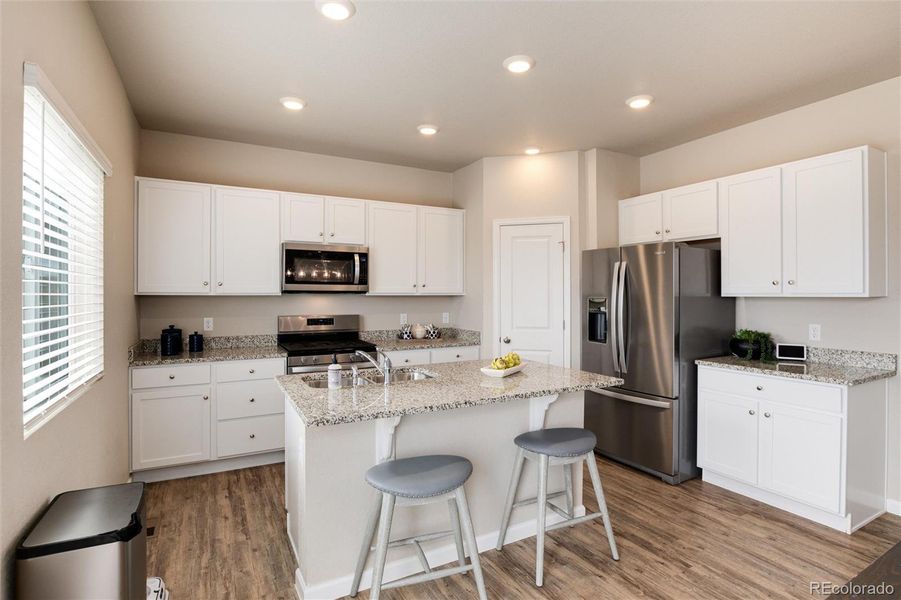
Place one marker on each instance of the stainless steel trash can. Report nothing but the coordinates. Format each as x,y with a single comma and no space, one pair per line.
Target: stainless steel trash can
87,545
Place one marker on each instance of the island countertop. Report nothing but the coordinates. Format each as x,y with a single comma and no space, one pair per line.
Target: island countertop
836,374
456,385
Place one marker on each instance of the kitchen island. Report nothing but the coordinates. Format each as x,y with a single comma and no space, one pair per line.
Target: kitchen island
333,436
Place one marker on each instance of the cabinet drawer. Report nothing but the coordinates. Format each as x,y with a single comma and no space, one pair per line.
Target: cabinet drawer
242,370
408,358
443,355
155,377
803,394
237,399
249,435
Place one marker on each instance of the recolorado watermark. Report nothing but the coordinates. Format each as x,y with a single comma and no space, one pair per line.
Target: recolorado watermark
827,588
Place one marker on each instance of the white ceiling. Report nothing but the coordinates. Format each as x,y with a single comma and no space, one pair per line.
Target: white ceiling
217,69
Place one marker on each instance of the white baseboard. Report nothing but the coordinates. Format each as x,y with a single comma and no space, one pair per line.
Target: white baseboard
893,506
340,586
212,466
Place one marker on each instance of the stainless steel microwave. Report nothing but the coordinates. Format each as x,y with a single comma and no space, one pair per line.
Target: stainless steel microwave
324,268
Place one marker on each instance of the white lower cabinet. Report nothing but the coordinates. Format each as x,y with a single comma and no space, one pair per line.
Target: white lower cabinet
193,413
814,449
409,358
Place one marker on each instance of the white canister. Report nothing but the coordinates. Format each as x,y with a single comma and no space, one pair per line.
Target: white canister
334,375
418,331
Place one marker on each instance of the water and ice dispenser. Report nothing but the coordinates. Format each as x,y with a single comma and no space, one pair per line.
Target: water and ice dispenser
597,320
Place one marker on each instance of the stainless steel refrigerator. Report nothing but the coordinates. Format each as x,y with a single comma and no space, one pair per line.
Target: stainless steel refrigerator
648,312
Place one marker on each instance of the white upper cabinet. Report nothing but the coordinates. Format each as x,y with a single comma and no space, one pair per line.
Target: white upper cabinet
641,219
246,241
392,248
302,218
750,225
307,218
690,212
833,222
441,252
172,246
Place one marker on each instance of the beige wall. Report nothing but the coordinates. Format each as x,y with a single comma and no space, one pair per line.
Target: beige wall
173,156
87,443
617,178
468,194
868,115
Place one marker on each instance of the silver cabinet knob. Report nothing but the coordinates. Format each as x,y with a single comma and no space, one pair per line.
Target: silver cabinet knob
253,435
332,234
775,282
406,360
506,340
205,397
458,356
320,234
219,284
759,388
171,376
253,399
767,415
252,371
752,412
414,285
667,230
206,283
791,282
657,232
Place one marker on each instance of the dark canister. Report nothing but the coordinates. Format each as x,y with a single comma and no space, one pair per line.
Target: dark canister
195,342
170,341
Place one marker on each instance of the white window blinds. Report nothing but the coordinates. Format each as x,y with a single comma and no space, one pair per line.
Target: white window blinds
62,259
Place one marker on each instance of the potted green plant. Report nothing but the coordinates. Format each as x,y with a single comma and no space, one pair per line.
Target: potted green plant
752,345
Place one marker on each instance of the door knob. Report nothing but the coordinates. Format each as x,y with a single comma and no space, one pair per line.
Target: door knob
506,340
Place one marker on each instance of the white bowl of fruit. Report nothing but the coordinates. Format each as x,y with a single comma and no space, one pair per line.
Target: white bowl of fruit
505,365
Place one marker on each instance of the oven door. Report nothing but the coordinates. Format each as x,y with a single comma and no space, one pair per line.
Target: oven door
323,268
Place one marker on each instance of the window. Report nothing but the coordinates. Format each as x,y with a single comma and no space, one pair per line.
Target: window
62,255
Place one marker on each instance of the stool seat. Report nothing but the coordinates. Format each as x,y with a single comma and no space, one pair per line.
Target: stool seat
420,476
559,442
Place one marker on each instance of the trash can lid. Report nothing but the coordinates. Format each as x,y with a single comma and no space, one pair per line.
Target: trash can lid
85,518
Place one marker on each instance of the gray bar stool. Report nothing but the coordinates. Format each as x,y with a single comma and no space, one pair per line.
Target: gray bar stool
411,482
552,447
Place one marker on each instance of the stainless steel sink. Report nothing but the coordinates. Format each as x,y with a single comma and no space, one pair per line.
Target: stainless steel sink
400,376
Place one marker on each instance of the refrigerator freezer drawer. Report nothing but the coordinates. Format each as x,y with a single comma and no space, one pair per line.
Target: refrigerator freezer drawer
633,429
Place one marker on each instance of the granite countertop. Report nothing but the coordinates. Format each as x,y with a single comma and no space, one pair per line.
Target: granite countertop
387,341
838,374
150,359
456,385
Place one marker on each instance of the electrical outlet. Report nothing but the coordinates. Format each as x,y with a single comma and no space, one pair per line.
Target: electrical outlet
208,323
814,332
445,317
403,318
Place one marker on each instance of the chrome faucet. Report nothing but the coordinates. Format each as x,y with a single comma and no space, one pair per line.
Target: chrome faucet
383,365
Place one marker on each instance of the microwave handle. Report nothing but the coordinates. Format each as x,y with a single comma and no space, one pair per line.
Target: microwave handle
356,268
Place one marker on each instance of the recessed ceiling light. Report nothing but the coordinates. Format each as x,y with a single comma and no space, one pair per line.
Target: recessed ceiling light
428,129
639,102
292,103
533,150
336,10
519,63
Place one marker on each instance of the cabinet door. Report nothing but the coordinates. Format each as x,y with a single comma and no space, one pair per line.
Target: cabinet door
246,241
392,248
690,212
455,354
172,252
441,248
727,435
170,427
640,219
303,218
409,358
751,231
801,455
824,237
345,221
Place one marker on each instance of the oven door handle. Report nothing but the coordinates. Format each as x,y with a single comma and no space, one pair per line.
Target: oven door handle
356,268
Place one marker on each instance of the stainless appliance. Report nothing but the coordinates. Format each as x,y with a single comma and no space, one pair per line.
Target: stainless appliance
324,268
313,341
650,311
87,544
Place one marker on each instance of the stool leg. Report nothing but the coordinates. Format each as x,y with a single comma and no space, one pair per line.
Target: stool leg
511,496
602,504
542,516
371,523
568,488
458,533
381,547
463,510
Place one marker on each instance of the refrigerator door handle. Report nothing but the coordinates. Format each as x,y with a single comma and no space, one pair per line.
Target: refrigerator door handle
612,320
620,325
634,399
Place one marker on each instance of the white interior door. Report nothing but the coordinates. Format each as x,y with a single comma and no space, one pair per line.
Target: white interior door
531,292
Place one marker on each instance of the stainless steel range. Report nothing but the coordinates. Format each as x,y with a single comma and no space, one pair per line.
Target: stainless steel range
312,341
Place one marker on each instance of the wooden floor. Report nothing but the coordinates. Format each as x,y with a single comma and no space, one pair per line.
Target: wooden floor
223,536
